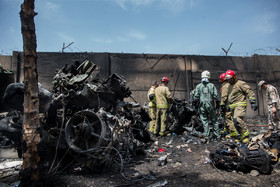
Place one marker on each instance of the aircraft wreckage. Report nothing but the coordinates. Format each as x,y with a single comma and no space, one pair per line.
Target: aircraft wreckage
85,121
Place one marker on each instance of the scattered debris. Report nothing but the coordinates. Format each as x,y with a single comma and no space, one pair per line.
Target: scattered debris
162,160
9,168
254,173
159,184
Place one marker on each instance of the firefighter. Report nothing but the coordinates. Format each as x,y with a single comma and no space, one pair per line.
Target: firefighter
229,125
152,106
235,97
273,104
207,96
163,101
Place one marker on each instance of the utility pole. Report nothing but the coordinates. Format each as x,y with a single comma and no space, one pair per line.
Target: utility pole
30,172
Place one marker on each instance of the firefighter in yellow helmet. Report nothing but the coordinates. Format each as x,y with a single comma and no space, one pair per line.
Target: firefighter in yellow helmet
163,100
152,106
236,96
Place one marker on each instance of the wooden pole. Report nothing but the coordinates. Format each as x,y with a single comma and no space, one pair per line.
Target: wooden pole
31,136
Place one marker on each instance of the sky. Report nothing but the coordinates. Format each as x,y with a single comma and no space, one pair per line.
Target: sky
184,27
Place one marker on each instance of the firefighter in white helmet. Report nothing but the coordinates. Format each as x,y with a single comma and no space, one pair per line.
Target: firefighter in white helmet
207,96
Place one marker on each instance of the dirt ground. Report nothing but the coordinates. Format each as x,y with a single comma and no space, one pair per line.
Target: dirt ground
188,164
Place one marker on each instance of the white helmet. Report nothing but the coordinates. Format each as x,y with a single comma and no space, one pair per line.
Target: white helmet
205,74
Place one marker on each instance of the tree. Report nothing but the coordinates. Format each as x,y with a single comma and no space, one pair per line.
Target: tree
30,172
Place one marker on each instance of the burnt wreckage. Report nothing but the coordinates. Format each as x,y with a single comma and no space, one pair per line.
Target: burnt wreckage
84,121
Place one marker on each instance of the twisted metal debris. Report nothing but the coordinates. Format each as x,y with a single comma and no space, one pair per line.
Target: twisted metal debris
87,124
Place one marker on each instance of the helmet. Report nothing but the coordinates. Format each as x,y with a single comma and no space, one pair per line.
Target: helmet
205,74
222,77
164,79
155,83
230,74
261,83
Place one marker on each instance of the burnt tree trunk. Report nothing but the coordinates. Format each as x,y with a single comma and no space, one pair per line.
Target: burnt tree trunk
30,172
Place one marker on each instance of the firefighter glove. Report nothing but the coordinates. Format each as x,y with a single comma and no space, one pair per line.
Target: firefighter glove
223,108
151,97
254,105
194,102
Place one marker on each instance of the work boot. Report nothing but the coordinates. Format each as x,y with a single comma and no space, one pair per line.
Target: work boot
270,127
162,134
217,139
224,131
233,139
228,136
205,140
245,140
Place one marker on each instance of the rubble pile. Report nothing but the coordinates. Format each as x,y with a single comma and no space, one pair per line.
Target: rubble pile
260,154
84,121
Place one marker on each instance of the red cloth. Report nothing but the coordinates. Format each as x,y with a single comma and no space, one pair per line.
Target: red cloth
161,150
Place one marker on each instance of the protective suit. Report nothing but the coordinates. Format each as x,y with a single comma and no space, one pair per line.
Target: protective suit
206,94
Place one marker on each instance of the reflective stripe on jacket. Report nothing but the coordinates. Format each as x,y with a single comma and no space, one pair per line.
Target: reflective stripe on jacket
237,94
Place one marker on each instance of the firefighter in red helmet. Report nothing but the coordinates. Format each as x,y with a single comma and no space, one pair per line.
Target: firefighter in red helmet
222,77
229,125
163,100
236,98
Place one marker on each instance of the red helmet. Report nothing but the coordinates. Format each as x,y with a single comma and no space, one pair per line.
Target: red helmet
230,74
222,77
164,79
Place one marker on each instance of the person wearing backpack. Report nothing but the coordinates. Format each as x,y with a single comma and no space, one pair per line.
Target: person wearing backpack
207,96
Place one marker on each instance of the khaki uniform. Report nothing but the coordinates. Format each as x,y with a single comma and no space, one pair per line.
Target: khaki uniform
227,115
152,108
236,96
163,99
273,99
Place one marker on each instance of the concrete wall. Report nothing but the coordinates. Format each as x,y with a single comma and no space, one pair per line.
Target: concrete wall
5,61
140,70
